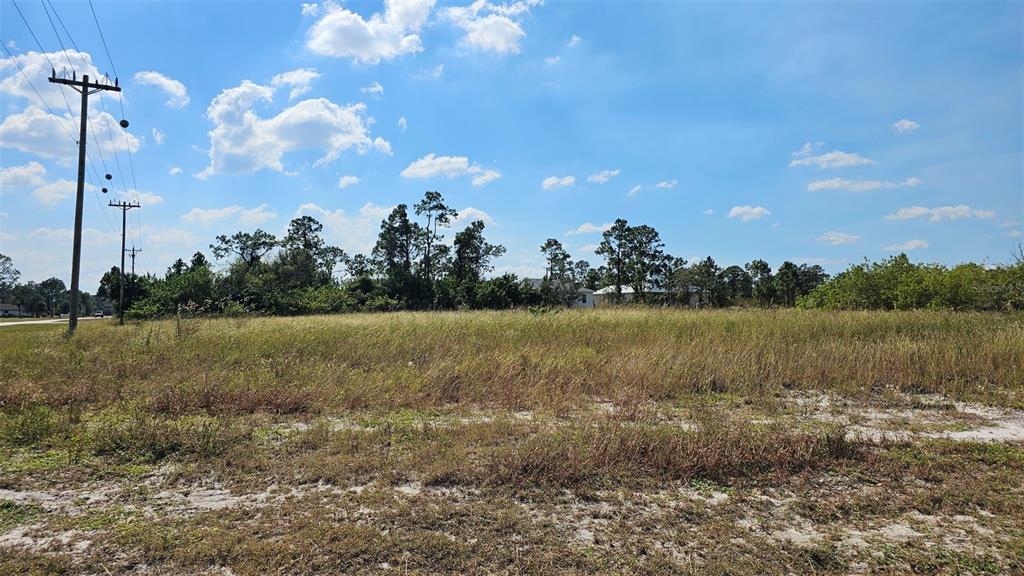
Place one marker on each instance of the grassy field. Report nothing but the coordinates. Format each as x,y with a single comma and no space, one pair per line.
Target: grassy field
626,441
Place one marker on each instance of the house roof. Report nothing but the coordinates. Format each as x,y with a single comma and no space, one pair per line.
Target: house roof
628,290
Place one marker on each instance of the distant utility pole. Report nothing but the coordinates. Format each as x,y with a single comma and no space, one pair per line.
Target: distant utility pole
83,87
125,207
132,253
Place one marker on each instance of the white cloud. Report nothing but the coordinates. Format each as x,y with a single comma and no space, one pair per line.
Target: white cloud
747,212
430,73
481,178
174,171
908,245
905,126
36,66
491,27
432,166
574,41
256,216
40,133
667,184
66,235
470,214
310,8
838,238
353,233
207,215
940,213
346,181
25,176
603,176
374,88
158,137
552,60
299,80
402,123
835,159
382,146
177,94
589,228
169,235
553,181
56,191
341,33
859,185
249,217
709,212
144,198
7,237
241,142
1015,234
634,190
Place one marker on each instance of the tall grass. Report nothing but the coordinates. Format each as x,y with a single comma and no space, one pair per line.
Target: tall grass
509,359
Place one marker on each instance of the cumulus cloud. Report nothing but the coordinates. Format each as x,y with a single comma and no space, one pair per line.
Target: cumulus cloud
144,198
177,94
940,213
341,33
346,181
603,176
808,156
54,192
555,181
174,171
905,246
905,126
589,228
66,235
402,123
42,134
36,66
491,27
158,137
374,88
241,142
299,80
746,213
470,214
860,185
352,232
310,8
25,176
838,238
256,216
574,41
250,217
432,166
667,184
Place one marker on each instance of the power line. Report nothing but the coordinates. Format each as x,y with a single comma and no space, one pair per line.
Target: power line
45,55
32,86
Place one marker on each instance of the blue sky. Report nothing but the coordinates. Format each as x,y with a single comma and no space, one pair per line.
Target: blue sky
823,132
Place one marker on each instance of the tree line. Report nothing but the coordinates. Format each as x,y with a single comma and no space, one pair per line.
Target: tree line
413,267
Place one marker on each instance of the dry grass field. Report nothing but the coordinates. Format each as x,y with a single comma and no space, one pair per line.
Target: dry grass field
614,442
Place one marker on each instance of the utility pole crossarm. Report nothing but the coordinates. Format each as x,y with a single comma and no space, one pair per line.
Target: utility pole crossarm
84,87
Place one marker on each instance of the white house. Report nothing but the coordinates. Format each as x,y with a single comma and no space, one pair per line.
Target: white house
607,295
586,295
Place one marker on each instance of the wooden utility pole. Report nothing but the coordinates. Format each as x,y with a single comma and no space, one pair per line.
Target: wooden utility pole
125,207
132,253
83,87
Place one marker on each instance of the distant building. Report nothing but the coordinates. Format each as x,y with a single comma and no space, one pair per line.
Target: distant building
609,295
12,310
586,295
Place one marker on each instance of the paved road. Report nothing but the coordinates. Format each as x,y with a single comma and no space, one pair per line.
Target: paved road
46,321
